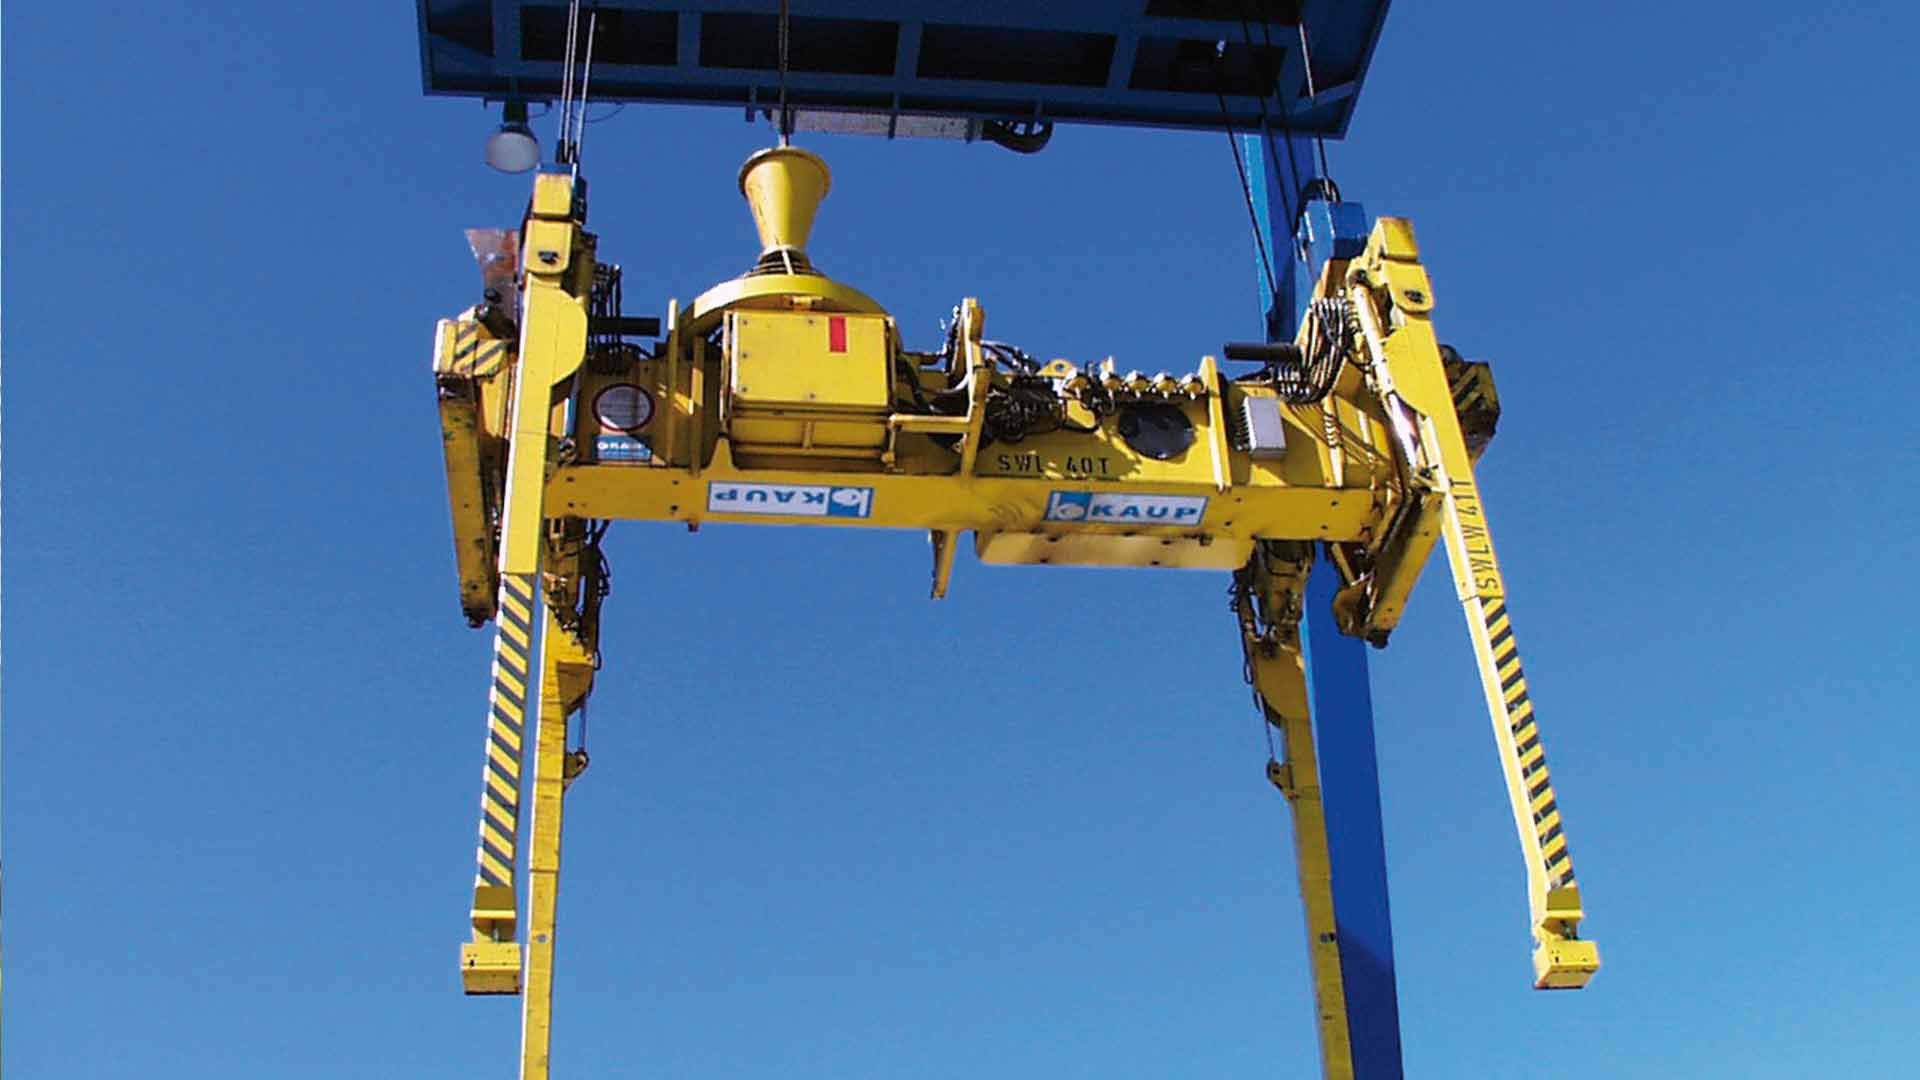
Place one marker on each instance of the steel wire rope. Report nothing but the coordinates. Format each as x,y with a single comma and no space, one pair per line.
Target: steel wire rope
1286,121
1306,65
784,33
586,83
1271,89
566,80
1246,191
1266,132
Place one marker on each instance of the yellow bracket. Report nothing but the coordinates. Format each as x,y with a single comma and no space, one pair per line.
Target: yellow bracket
490,967
945,543
1561,961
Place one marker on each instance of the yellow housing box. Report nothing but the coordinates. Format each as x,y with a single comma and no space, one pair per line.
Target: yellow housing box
809,384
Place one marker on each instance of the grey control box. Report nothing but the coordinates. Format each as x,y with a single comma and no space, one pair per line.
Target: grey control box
1265,432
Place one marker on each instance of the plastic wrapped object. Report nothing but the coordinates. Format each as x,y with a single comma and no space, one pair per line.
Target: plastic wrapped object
498,253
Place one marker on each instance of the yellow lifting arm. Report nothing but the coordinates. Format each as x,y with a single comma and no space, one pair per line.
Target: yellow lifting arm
1268,593
567,661
557,278
1403,365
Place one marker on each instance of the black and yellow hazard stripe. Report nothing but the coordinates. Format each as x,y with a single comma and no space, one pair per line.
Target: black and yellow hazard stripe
472,355
506,726
486,359
1471,388
1556,859
1475,403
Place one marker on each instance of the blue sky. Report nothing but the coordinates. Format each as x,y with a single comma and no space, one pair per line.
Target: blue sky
833,829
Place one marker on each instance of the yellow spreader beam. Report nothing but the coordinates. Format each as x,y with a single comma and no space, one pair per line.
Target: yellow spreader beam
782,397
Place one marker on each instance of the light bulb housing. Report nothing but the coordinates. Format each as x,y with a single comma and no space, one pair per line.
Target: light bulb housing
512,148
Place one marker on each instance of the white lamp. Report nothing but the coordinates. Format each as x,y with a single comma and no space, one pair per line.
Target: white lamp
513,149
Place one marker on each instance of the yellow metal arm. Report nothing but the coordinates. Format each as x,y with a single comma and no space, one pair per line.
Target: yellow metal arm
557,274
1267,599
568,656
1403,366
566,677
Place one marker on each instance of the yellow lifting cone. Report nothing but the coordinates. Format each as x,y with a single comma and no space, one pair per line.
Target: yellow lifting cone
784,187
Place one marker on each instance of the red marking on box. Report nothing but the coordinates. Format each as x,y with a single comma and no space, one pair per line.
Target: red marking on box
836,334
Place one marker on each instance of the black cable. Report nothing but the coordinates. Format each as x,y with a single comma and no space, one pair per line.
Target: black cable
618,108
1246,190
1266,135
904,368
1306,65
1320,143
1310,378
1015,356
1021,137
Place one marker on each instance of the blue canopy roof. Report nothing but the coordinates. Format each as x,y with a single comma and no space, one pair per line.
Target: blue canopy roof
1158,63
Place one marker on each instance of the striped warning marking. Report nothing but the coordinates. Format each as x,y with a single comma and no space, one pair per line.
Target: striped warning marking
1469,391
506,727
1555,857
472,356
486,360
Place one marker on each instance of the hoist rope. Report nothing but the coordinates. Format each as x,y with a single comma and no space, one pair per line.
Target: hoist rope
1306,64
573,108
1266,123
786,115
566,79
1246,190
1266,130
1329,189
586,82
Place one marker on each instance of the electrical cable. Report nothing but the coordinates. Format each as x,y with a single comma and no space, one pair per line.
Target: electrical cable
1241,603
1331,327
1016,357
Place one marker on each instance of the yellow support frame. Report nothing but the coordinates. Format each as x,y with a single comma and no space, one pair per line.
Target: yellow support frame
1379,471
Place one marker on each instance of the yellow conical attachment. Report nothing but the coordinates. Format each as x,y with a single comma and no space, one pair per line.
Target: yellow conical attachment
784,187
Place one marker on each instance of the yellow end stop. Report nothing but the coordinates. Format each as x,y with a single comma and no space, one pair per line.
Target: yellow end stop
490,967
1564,965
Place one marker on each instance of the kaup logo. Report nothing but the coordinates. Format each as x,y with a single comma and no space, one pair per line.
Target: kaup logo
1090,508
1069,505
790,500
621,448
850,502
